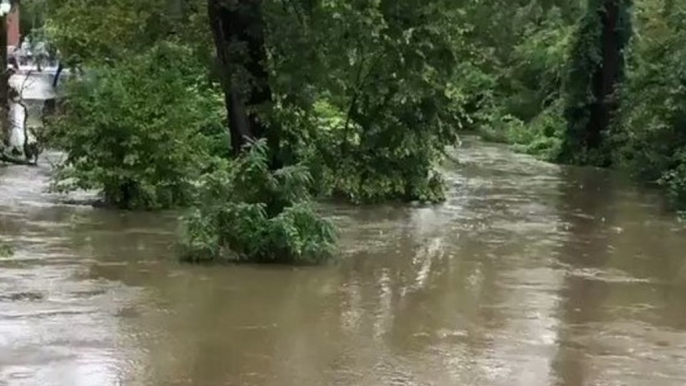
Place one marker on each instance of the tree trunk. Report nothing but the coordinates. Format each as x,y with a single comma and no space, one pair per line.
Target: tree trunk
238,30
606,76
604,34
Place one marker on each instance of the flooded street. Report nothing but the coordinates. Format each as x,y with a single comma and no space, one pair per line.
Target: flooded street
530,274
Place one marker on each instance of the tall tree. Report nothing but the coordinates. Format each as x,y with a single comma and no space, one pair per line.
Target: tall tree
238,30
596,68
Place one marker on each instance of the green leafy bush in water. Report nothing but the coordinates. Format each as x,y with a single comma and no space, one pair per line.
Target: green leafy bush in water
139,131
5,250
540,137
379,82
373,164
249,213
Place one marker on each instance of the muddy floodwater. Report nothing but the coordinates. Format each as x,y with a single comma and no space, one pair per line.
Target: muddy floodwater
530,274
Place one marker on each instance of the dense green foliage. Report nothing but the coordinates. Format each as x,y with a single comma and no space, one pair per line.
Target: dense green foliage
5,250
650,135
87,31
370,84
596,69
525,104
542,92
247,212
140,131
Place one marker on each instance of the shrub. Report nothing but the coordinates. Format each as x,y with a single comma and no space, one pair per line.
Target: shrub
141,131
5,250
674,180
385,161
541,137
248,213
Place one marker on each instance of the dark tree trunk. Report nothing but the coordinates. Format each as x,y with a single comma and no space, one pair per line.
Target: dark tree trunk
603,34
606,76
238,30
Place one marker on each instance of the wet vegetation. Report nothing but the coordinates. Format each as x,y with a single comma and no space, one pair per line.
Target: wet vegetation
140,131
254,213
245,111
5,250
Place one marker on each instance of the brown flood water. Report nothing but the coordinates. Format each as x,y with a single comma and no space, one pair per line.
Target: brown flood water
530,274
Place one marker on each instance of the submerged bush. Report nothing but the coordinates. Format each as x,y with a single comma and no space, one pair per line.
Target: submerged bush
139,131
5,250
248,213
540,137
